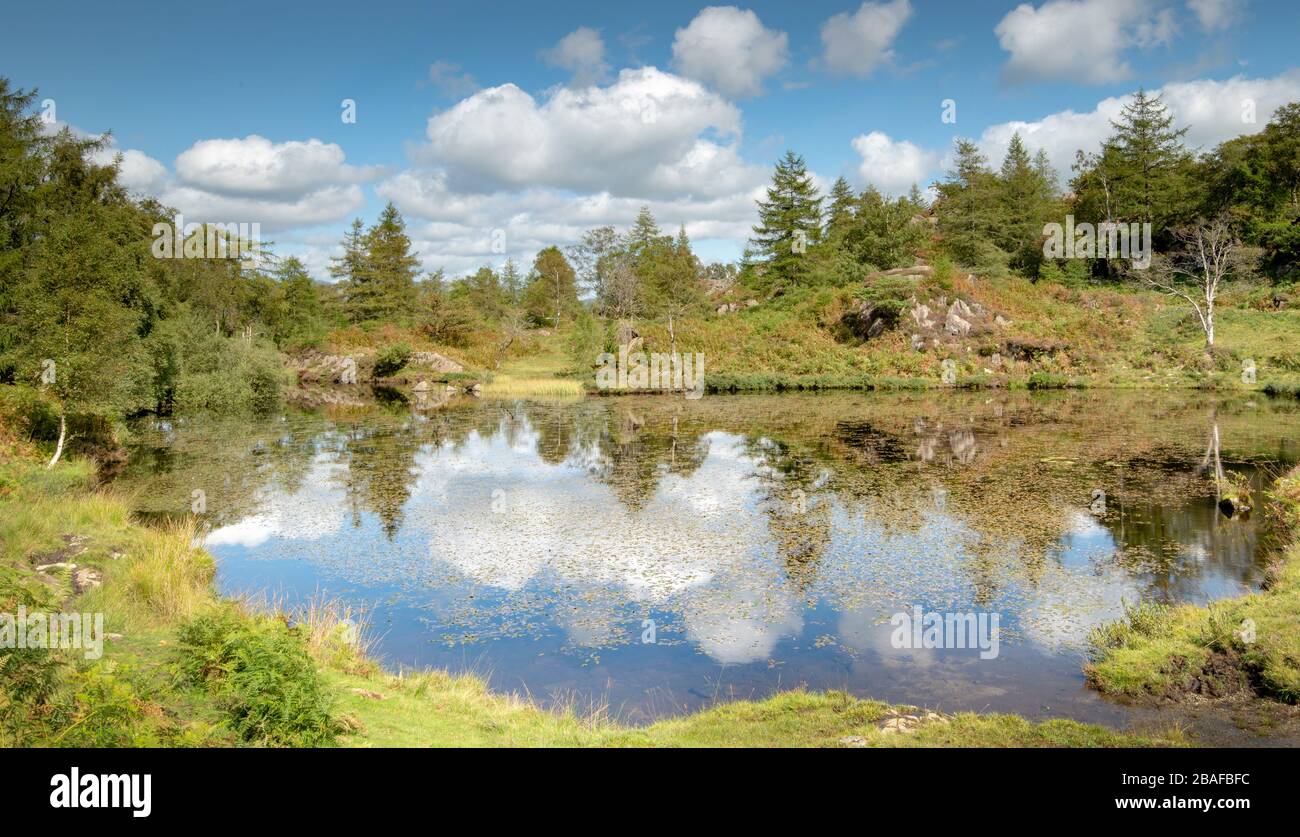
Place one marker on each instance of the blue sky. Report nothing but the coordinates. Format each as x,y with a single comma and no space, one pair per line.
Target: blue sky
500,128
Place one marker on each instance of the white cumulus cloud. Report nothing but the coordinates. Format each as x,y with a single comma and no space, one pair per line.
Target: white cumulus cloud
730,50
641,136
582,52
1080,40
892,166
855,44
255,166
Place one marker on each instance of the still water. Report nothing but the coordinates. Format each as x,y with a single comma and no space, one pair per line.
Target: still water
657,554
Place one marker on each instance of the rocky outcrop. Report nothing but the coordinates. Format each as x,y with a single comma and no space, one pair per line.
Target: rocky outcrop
732,307
866,320
323,368
435,362
916,271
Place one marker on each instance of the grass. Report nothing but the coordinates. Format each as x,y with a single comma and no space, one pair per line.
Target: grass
439,709
182,667
1251,643
508,386
1089,336
538,373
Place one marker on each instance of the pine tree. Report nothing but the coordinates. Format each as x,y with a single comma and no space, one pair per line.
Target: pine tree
512,283
1152,159
789,221
350,269
1025,204
842,204
644,233
968,207
304,315
391,266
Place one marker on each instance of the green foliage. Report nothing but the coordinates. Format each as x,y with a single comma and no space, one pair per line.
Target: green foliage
881,233
1256,178
890,295
31,676
968,206
262,675
391,360
1142,172
789,220
1047,380
200,369
551,297
586,340
378,270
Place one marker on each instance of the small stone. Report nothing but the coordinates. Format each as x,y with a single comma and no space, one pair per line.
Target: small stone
86,578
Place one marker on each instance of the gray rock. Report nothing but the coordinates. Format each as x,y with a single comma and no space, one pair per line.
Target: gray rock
84,578
955,325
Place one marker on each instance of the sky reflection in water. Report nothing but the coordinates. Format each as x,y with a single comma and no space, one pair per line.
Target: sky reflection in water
768,539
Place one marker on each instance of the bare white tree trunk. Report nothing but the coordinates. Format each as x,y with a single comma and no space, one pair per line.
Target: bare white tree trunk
63,434
1208,249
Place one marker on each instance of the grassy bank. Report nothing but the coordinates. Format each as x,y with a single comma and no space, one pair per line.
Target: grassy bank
181,667
1026,335
1243,645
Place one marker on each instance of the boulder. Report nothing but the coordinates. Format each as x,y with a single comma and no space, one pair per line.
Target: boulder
921,314
956,325
436,362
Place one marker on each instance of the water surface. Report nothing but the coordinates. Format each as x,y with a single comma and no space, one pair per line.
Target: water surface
656,554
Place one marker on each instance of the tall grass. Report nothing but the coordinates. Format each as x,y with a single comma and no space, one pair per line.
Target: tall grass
169,579
507,386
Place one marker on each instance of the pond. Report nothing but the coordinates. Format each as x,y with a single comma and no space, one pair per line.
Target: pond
655,554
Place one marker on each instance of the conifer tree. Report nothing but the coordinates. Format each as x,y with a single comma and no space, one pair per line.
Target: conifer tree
789,221
391,267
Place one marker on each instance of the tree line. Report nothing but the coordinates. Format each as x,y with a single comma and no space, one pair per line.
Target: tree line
89,315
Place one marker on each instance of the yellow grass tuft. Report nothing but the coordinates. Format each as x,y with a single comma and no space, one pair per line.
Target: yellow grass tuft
506,386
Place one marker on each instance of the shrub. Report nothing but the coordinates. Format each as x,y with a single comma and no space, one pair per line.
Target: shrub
1048,380
890,295
264,679
198,368
392,359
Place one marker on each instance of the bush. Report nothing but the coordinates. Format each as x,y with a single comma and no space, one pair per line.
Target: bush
1048,380
263,677
392,359
890,295
198,368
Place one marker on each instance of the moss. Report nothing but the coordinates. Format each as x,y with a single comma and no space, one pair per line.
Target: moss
1248,643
